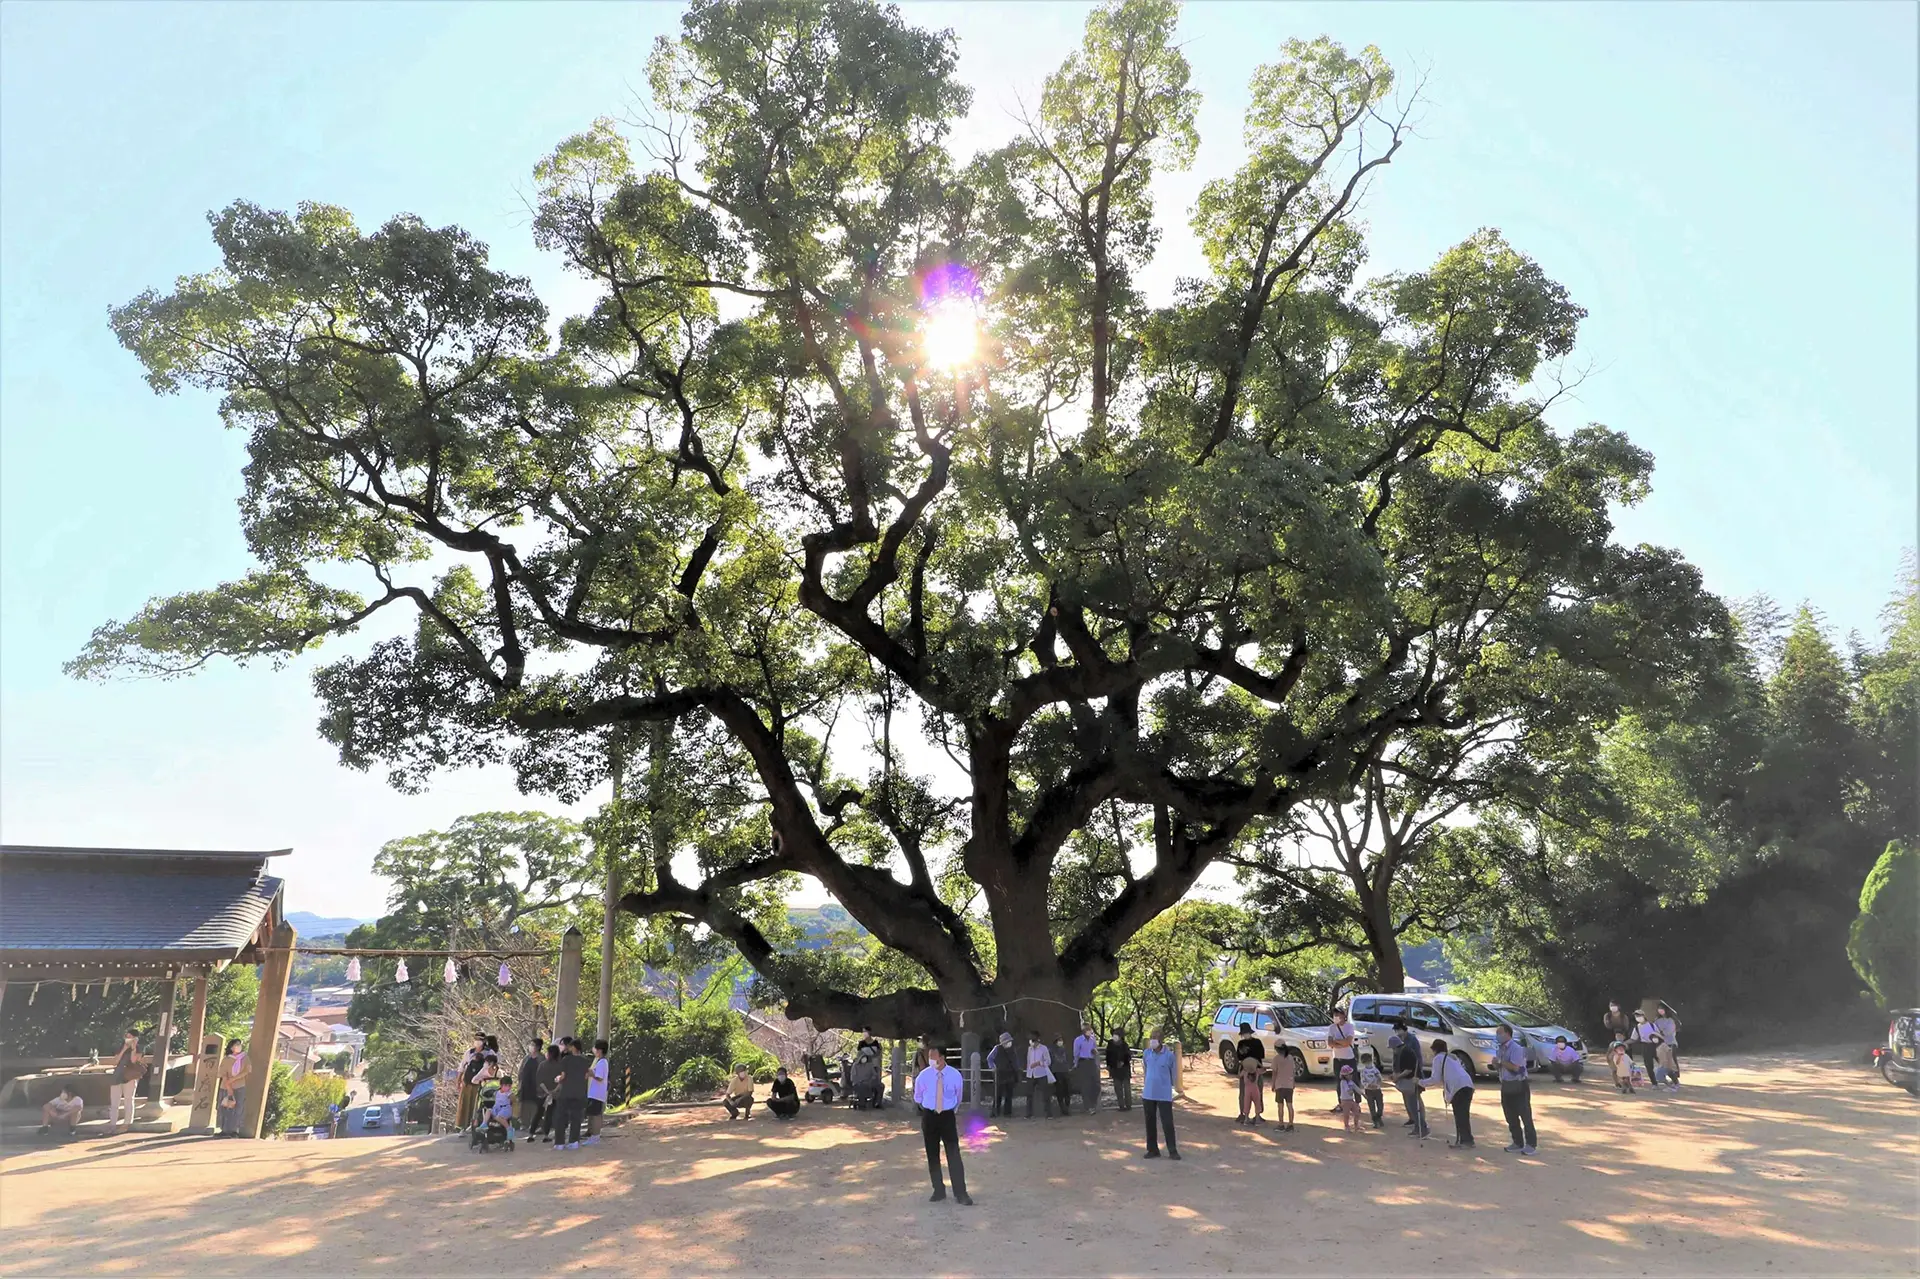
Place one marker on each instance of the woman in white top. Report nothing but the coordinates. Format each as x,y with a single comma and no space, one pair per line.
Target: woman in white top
1039,1075
1456,1085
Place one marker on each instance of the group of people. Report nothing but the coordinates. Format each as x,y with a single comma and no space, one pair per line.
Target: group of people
557,1096
63,1113
1643,1049
1056,1073
783,1098
1361,1080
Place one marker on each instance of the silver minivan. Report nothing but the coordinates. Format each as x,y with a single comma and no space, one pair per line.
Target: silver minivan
1465,1027
1295,1031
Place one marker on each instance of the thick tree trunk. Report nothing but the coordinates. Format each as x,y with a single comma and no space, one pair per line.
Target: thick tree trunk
1384,943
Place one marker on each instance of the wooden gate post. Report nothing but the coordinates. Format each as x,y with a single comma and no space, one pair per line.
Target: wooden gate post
265,1040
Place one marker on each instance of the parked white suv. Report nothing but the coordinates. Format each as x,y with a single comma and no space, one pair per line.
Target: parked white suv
1465,1027
1294,1031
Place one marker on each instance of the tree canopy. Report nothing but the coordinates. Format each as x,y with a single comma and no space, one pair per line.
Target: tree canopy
863,443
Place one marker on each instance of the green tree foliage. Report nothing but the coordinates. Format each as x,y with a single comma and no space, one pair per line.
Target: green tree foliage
504,880
653,1042
281,1101
1718,861
1203,561
307,1098
59,1019
1884,942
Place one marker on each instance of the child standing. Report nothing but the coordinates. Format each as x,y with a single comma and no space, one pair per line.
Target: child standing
1349,1099
1621,1063
1370,1084
1283,1093
1667,1064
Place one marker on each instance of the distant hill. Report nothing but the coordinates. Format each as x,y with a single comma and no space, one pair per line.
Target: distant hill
818,924
311,926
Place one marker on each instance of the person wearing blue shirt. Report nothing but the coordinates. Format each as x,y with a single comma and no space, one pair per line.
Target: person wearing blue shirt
936,1090
1516,1094
1156,1093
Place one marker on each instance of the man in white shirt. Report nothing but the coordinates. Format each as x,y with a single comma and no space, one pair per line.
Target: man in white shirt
936,1090
1340,1038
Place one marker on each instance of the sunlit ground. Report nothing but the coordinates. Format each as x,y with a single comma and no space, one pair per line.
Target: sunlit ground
1762,1165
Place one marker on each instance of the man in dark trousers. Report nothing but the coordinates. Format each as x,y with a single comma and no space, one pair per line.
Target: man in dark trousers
1120,1069
546,1080
570,1093
1005,1064
936,1091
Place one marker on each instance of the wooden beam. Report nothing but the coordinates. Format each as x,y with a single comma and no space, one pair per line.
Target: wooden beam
266,1029
197,1019
162,1049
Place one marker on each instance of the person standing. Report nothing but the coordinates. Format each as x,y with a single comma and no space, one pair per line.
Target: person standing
936,1091
129,1068
1456,1085
1340,1038
233,1089
1250,1059
548,1082
1618,1024
470,1067
526,1092
1039,1076
1406,1077
1156,1093
1516,1092
1060,1062
1646,1044
570,1092
1086,1067
597,1072
1120,1069
1667,1026
1001,1060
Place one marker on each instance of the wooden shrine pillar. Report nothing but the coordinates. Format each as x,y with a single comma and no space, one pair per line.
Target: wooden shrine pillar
266,1029
566,999
197,1021
162,1048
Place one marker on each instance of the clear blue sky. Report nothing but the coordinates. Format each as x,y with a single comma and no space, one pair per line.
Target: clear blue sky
1729,190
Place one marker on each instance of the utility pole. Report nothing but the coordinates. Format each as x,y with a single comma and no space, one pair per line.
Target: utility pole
610,902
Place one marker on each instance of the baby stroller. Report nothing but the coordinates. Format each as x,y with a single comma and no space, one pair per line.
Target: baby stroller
490,1132
865,1086
823,1085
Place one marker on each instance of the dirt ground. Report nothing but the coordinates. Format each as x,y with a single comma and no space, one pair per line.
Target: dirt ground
1782,1164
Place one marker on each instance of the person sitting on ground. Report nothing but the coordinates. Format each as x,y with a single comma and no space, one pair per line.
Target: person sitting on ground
1565,1060
783,1099
63,1111
739,1095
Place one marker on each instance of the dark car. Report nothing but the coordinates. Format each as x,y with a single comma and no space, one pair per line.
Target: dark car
1899,1061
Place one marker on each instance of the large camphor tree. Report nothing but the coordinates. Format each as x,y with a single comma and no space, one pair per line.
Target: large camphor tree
997,599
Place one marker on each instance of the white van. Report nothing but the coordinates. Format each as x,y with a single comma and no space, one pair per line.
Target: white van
1287,1029
1465,1027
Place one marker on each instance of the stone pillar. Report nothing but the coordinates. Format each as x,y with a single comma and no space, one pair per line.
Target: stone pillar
566,999
266,1029
197,1022
162,1049
970,1058
899,1071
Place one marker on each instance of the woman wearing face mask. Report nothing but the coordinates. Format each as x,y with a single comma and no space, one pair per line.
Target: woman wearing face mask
1156,1093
